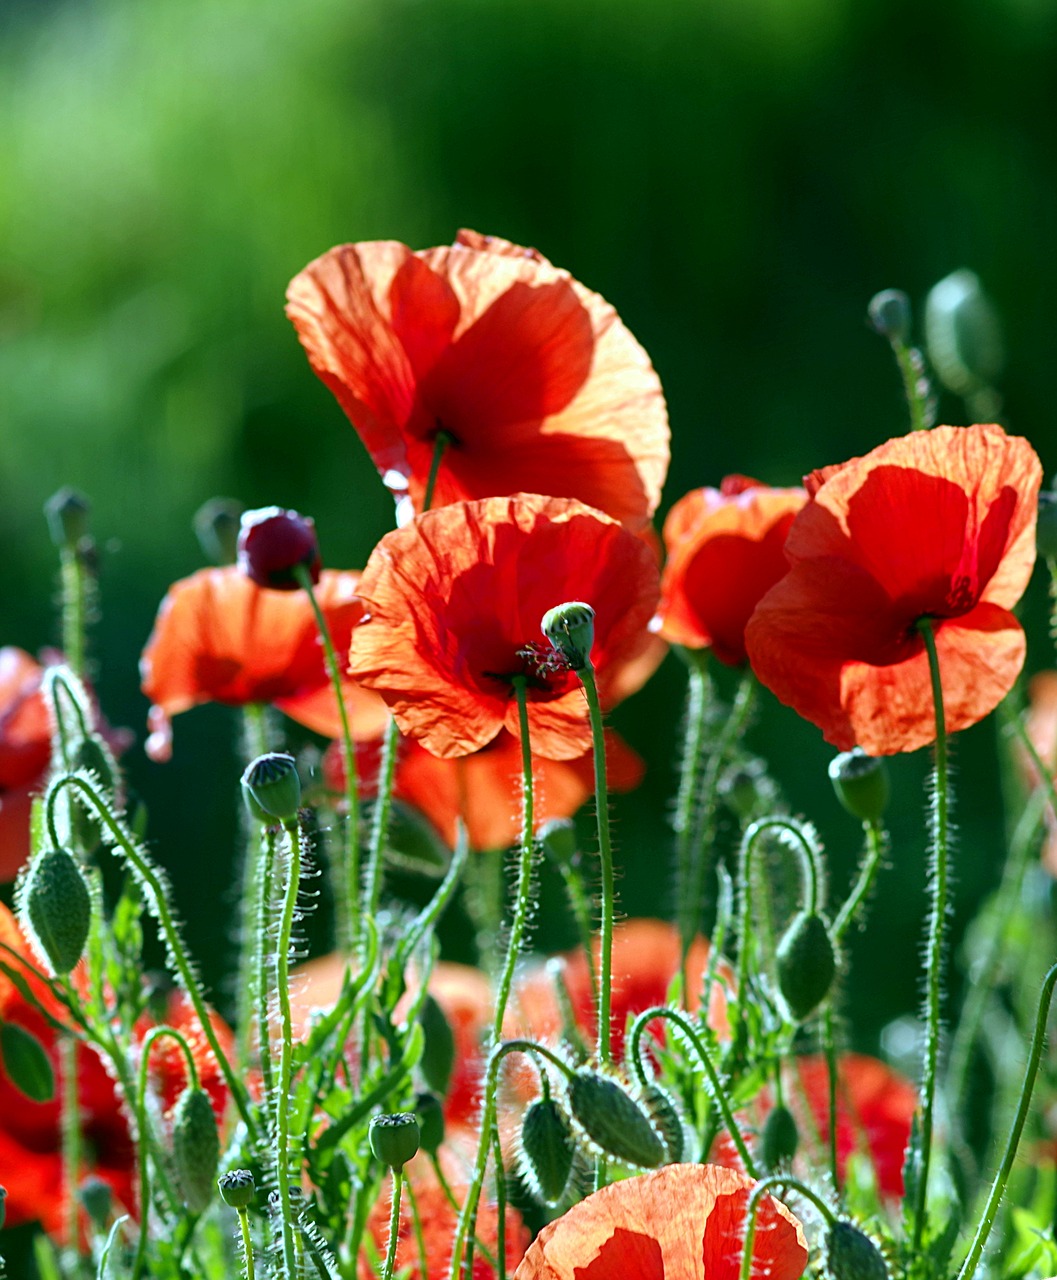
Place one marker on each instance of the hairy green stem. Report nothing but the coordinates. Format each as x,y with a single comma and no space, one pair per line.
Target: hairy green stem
71,1139
254,744
282,1100
605,855
758,1192
689,774
807,856
383,806
247,1243
876,844
394,1226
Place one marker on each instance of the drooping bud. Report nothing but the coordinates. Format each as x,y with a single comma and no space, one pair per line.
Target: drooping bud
779,1140
806,964
195,1148
852,1255
216,526
271,788
557,838
613,1120
273,543
861,783
438,1049
26,1062
963,334
570,628
664,1113
55,904
430,1115
394,1138
237,1188
67,513
96,1197
548,1150
889,313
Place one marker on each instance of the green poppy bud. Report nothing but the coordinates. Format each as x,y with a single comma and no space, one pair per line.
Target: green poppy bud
216,525
55,904
271,788
852,1255
558,840
430,1115
438,1049
26,1062
614,1121
547,1150
195,1148
93,756
889,313
662,1110
67,513
806,965
571,630
96,1196
861,783
395,1138
237,1188
779,1140
963,334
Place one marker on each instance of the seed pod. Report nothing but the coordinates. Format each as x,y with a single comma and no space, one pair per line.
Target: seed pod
237,1188
57,907
271,788
613,1120
779,1140
548,1150
395,1138
806,964
273,543
438,1049
26,1063
852,1255
97,1197
570,628
67,513
195,1148
430,1116
861,783
660,1105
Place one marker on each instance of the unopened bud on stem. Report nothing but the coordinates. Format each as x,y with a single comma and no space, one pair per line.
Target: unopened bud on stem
570,628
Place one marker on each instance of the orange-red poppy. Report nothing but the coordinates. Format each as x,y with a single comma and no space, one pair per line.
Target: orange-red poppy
937,525
726,549
484,789
25,751
453,608
682,1222
219,637
533,378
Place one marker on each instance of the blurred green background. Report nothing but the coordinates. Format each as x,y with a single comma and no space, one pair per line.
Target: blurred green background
737,176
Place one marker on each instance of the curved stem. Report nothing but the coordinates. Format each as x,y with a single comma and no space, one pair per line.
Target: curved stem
282,1101
876,843
759,1191
807,856
605,854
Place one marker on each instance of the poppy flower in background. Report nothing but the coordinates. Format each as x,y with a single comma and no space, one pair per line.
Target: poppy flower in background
453,604
219,637
682,1222
940,525
534,380
484,789
1041,724
25,753
726,549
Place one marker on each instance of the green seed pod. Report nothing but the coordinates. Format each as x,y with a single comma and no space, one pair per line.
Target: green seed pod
614,1121
67,513
92,755
26,1062
963,334
779,1140
558,840
237,1188
195,1148
806,965
96,1196
394,1138
660,1105
430,1115
570,628
852,1255
271,788
861,783
548,1150
216,525
438,1050
55,903
889,313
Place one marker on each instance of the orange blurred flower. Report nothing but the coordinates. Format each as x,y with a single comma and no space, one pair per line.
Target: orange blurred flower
726,549
484,789
940,525
682,1222
25,752
453,607
533,378
220,638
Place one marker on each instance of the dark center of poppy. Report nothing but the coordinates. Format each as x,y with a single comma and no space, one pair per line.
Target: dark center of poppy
542,667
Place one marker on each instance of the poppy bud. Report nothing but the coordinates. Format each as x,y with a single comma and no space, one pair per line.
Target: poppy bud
26,1062
666,1119
96,1197
273,543
430,1116
613,1120
779,1139
237,1188
394,1138
1046,526
438,1049
216,526
195,1148
889,313
55,903
963,335
271,788
571,630
852,1255
558,840
806,964
547,1148
861,783
67,514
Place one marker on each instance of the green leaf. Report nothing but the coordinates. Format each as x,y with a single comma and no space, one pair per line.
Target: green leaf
27,1063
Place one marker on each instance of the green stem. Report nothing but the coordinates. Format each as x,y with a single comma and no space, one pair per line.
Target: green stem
605,855
380,825
74,608
876,844
440,443
830,1049
689,773
71,1139
936,934
251,942
807,856
263,985
912,374
247,1243
420,1239
394,1226
998,1187
282,1100
759,1191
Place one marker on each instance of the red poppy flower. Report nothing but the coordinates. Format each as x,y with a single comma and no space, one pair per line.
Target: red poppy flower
220,638
532,377
25,752
682,1222
940,525
725,551
453,607
484,789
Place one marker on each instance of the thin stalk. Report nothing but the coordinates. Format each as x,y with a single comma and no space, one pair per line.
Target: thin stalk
420,1239
912,373
876,843
807,857
440,443
605,855
255,743
689,775
71,1139
830,1049
247,1243
759,1191
383,806
282,1101
263,986
74,577
394,1226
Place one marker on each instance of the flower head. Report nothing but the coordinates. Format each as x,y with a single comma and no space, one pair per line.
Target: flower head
725,551
939,525
273,544
532,378
453,605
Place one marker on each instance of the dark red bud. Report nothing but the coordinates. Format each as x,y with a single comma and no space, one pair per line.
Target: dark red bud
273,544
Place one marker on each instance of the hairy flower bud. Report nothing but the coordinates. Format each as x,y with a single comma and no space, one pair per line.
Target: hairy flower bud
547,1149
889,313
216,525
271,788
273,543
67,513
662,1110
438,1049
779,1140
806,963
852,1255
195,1148
430,1115
861,783
55,904
613,1120
97,1197
394,1138
237,1188
570,628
